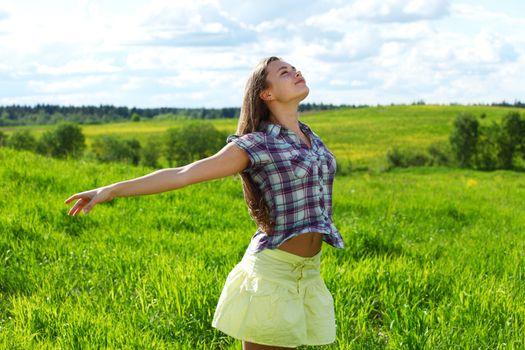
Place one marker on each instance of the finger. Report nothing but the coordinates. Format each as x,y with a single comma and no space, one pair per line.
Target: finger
76,209
72,210
78,205
75,196
89,206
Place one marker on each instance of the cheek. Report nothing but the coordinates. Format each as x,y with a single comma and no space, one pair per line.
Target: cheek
283,88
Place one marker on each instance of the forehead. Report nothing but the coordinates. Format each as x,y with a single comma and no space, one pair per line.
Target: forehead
275,66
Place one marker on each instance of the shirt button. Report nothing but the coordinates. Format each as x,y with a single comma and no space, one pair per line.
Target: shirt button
321,189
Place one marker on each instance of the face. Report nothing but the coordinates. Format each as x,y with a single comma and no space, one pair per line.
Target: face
285,83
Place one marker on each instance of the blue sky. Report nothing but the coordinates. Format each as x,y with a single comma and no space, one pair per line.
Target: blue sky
199,53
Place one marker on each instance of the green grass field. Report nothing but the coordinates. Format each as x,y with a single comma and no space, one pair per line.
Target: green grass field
434,257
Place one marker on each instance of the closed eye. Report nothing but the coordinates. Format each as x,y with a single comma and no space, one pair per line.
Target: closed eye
286,71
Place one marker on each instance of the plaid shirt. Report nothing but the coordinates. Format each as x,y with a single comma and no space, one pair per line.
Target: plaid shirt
296,182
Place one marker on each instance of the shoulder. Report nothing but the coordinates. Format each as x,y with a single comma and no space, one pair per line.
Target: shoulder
256,137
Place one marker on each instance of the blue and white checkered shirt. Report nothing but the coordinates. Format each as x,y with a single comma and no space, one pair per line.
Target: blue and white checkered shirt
296,182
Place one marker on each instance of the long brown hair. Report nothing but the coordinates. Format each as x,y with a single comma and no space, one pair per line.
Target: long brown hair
253,111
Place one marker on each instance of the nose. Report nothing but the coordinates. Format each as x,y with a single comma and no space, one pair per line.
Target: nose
298,73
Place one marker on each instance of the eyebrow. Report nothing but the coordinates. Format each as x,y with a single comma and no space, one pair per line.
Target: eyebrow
284,67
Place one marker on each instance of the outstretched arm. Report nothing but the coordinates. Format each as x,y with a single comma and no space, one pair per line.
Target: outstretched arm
228,161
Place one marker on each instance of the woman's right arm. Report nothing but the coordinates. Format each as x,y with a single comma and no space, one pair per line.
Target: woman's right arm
229,160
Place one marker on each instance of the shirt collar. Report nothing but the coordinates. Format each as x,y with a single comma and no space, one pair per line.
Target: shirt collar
275,129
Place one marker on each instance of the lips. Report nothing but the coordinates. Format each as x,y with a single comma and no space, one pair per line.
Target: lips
300,81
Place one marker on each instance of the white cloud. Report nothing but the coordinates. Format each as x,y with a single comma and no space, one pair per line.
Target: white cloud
252,13
3,15
200,23
476,12
192,79
200,53
151,59
355,45
407,31
169,98
380,11
95,97
488,48
169,59
69,84
82,66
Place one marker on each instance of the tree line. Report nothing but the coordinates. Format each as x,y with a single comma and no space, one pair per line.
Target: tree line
42,114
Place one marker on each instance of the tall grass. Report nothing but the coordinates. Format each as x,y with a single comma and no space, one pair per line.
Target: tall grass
434,258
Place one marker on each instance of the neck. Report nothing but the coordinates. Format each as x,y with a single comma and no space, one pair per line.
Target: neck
285,115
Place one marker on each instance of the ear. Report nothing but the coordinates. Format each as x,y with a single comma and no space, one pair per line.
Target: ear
266,95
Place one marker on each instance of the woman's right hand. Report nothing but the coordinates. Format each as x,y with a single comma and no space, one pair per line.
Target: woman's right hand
88,199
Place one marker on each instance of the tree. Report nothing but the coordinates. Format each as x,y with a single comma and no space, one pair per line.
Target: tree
135,117
133,151
109,148
464,138
3,139
486,157
192,141
510,138
64,141
439,153
22,140
151,153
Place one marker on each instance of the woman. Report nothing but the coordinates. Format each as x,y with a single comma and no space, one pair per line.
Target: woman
275,297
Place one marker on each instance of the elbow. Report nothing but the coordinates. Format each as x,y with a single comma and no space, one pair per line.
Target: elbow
175,178
182,177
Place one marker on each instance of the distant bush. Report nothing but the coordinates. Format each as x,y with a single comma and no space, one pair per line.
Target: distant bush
472,145
464,138
344,166
109,148
64,141
135,117
191,142
439,154
511,139
486,157
151,152
22,140
500,145
404,157
3,139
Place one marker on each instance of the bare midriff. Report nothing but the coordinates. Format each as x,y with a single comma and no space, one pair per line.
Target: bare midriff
306,244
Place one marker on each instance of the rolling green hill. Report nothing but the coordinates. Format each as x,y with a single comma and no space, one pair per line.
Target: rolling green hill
361,135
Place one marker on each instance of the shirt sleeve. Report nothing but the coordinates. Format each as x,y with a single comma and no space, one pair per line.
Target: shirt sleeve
255,147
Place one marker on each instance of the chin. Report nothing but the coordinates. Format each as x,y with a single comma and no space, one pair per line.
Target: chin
297,96
304,94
